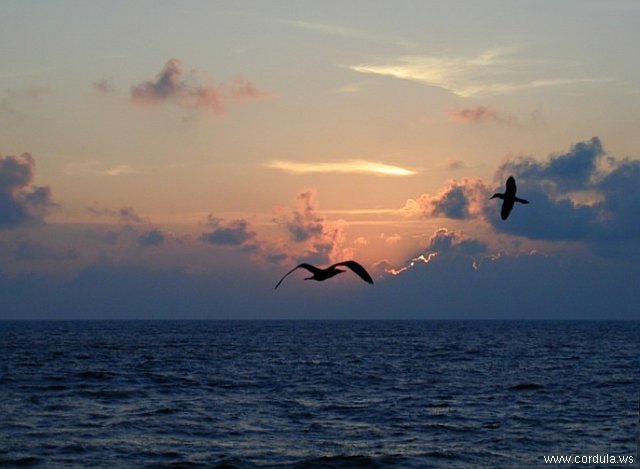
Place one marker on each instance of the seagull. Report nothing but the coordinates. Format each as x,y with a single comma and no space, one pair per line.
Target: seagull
509,198
331,271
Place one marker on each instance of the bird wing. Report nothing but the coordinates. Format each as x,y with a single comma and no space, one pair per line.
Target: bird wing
511,186
309,267
357,269
507,205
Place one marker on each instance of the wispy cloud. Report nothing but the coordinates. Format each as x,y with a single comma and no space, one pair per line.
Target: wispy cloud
348,166
351,88
89,167
119,170
492,72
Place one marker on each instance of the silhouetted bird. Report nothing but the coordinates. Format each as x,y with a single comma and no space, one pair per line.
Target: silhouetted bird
331,271
509,198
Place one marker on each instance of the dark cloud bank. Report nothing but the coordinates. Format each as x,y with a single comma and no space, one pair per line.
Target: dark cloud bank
582,197
525,287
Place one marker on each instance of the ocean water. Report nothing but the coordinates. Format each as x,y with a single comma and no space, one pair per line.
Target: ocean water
316,394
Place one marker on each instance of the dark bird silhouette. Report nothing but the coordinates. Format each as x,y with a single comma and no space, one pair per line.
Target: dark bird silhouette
331,271
509,198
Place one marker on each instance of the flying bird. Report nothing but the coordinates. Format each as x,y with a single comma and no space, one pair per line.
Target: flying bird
509,198
331,271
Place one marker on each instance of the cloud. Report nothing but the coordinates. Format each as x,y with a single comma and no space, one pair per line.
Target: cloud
447,242
619,214
232,233
166,85
451,165
119,170
484,286
566,171
392,239
20,202
529,286
484,114
476,76
444,246
581,195
303,223
349,166
27,250
315,240
242,89
125,215
555,213
351,88
151,238
473,115
82,168
454,276
103,86
239,234
460,200
192,90
309,237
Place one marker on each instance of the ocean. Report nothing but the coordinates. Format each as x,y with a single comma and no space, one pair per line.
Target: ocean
316,394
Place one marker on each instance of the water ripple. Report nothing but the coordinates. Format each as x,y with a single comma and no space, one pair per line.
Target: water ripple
315,394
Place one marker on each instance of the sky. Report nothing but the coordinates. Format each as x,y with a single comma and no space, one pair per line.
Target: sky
173,160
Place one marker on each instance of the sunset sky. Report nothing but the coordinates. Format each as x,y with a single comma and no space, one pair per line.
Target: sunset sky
166,159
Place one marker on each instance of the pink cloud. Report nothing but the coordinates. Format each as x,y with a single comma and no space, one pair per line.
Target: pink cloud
473,115
243,89
483,114
192,90
315,239
309,237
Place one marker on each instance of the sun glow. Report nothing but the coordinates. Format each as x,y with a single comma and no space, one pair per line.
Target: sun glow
421,258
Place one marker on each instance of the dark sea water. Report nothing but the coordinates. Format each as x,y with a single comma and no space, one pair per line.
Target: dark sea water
316,394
